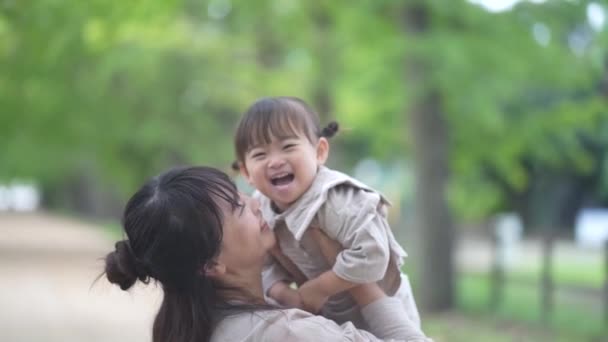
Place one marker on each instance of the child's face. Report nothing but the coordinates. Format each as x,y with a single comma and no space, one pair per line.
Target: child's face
285,168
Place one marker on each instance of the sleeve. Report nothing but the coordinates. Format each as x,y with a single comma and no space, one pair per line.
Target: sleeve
297,325
387,318
273,272
351,217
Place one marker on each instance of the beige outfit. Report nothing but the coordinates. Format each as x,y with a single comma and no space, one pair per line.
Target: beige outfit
354,215
385,317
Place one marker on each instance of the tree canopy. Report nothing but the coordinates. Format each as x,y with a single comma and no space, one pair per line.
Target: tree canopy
120,91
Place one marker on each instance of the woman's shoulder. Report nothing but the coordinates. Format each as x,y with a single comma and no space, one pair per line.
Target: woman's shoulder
266,317
283,325
257,325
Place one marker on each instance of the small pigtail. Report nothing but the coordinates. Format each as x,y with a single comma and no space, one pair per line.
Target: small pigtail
235,166
330,130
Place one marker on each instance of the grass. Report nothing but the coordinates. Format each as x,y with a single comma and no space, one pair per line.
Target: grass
459,327
590,274
572,319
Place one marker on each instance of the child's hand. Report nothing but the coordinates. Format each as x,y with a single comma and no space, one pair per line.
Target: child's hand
293,299
312,298
285,295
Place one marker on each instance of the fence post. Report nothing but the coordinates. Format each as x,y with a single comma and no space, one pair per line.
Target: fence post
497,276
606,284
547,285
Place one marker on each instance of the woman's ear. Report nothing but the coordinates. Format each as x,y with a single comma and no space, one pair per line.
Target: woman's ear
213,269
322,151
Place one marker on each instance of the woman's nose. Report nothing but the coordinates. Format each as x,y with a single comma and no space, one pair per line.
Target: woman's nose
255,205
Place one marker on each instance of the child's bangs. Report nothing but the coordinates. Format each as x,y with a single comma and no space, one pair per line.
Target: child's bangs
277,118
278,125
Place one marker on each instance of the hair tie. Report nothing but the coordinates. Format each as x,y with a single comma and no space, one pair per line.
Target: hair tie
235,166
330,130
140,269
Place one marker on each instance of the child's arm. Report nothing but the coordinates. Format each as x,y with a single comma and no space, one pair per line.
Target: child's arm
354,219
315,292
373,301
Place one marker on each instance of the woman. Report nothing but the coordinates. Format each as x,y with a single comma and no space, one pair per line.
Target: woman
190,230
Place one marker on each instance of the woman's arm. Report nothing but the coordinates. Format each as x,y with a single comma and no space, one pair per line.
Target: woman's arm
387,319
297,325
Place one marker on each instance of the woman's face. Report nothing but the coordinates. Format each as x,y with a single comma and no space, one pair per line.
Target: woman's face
247,237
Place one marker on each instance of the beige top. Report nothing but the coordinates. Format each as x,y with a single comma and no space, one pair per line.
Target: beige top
354,215
385,316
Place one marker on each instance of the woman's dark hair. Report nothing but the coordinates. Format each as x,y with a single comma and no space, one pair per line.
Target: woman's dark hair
173,226
279,117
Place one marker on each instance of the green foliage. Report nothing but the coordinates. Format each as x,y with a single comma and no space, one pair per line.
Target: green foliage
571,320
127,89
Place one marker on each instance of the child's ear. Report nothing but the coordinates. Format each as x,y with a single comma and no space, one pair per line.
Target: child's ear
244,172
322,151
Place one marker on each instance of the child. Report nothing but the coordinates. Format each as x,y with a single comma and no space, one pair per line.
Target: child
281,151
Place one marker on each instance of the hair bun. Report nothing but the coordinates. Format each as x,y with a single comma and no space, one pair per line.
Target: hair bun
121,266
330,130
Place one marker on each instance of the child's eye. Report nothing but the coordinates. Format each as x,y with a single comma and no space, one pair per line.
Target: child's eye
288,146
257,155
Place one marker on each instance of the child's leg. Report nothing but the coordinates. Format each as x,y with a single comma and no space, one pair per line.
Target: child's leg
407,298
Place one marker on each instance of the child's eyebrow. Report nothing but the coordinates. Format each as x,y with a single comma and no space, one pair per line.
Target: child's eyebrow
287,137
280,138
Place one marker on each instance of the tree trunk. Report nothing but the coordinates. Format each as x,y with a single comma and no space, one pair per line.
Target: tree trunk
325,57
433,222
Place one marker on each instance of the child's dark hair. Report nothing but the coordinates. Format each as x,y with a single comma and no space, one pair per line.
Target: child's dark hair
278,117
173,226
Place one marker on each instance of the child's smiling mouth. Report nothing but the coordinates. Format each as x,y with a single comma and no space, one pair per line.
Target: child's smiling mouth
282,179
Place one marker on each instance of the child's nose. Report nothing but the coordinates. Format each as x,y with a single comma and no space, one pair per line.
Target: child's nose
275,161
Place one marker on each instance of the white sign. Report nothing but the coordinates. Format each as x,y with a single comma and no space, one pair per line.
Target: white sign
19,197
591,228
509,229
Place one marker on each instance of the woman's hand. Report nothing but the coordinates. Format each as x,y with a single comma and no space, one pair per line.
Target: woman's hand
312,297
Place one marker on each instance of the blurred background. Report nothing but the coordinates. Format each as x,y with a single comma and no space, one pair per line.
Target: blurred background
485,122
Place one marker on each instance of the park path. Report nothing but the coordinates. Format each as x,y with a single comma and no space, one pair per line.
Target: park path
48,266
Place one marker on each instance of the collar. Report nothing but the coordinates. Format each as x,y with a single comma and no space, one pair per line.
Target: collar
301,213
